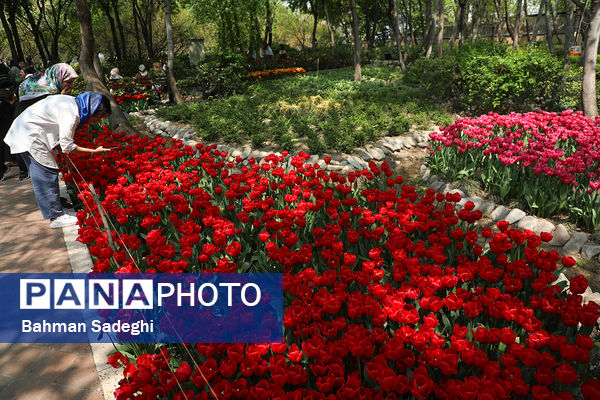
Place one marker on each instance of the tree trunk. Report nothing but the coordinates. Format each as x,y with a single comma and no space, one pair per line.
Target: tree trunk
527,20
429,35
411,25
477,17
538,21
440,35
38,37
357,70
86,63
171,55
397,32
422,20
500,22
314,8
555,34
549,28
120,28
137,31
145,20
517,30
568,33
329,26
461,23
507,20
268,25
12,20
105,5
8,32
149,37
590,107
455,25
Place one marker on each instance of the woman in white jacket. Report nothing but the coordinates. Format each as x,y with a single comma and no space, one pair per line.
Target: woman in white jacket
39,130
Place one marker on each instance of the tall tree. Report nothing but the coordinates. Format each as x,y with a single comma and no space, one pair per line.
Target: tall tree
440,35
431,21
115,5
314,9
329,25
268,26
538,22
568,32
549,27
171,54
33,21
517,29
12,7
477,17
499,21
137,30
55,22
105,5
86,63
462,23
355,33
145,14
397,32
8,31
590,106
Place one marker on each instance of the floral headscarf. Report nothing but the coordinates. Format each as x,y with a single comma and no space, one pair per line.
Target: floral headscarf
48,82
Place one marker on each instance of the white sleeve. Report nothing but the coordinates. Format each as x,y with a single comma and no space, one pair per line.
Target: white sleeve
68,121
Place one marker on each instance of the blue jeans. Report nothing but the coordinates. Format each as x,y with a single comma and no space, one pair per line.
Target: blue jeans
45,187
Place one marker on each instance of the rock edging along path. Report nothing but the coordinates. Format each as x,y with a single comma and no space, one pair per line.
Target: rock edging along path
385,149
388,149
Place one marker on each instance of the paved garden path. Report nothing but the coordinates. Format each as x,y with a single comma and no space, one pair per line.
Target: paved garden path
27,244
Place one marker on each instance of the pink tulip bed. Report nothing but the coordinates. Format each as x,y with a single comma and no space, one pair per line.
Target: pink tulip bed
549,161
388,292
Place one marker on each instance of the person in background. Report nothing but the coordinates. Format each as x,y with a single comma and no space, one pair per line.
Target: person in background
115,74
26,72
143,78
7,106
57,79
40,130
15,71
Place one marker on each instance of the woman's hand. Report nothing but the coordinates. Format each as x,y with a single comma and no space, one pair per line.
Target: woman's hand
102,149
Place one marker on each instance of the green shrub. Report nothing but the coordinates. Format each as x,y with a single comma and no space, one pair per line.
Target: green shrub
515,80
399,124
222,74
438,76
488,76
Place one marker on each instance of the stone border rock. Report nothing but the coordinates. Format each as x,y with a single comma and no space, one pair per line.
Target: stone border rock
385,149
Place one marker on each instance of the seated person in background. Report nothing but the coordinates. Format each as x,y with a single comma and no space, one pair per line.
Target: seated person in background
115,74
143,78
160,76
115,78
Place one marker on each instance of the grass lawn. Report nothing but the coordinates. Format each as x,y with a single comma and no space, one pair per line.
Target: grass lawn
325,110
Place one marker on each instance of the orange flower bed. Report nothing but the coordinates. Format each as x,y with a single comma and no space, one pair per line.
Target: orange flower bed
277,71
